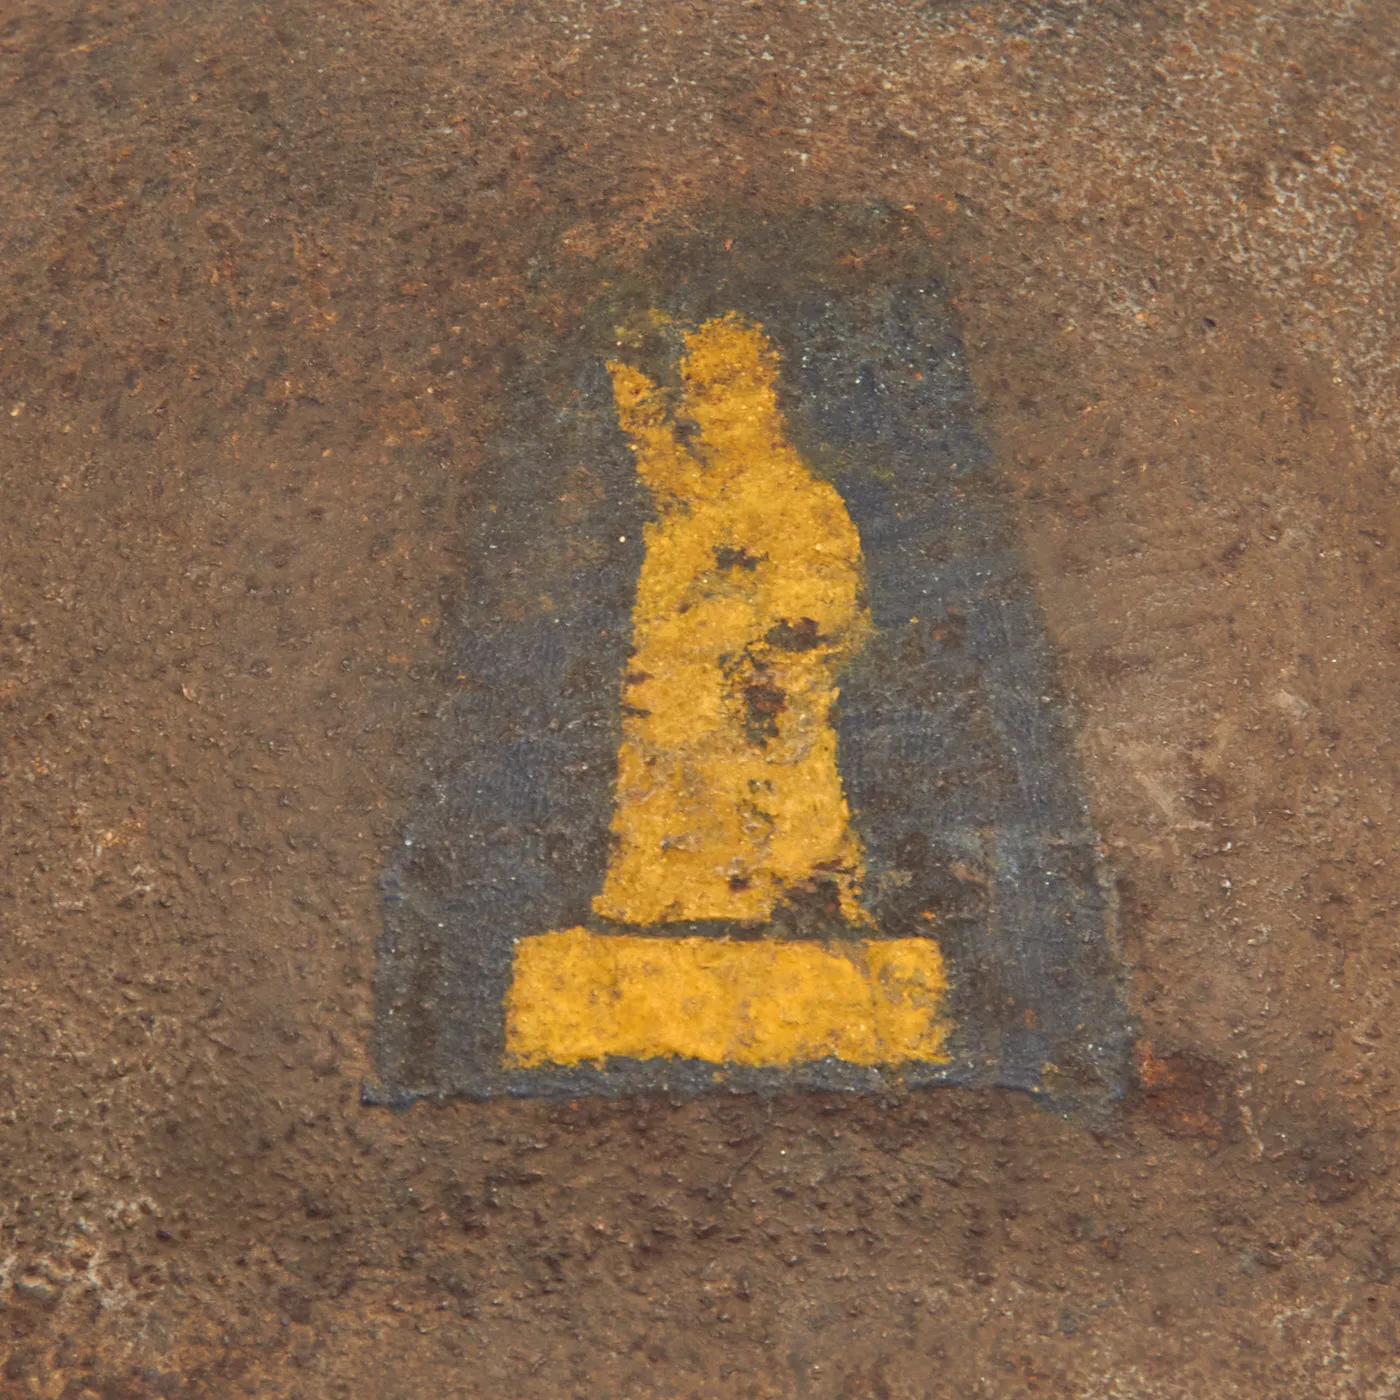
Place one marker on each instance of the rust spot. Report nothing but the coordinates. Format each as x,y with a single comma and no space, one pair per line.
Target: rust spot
764,701
801,635
728,556
1184,1094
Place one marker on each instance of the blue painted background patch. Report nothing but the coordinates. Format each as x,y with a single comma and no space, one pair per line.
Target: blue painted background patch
954,748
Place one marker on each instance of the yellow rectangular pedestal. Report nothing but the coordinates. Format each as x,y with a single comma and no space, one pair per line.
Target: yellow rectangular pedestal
578,997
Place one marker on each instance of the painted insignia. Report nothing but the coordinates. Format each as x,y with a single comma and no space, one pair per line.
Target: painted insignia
759,778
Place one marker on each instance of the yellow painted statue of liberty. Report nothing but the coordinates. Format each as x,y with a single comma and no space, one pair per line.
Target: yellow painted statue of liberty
747,607
728,794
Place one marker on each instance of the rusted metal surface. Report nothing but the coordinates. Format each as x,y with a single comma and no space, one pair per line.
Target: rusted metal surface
268,280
